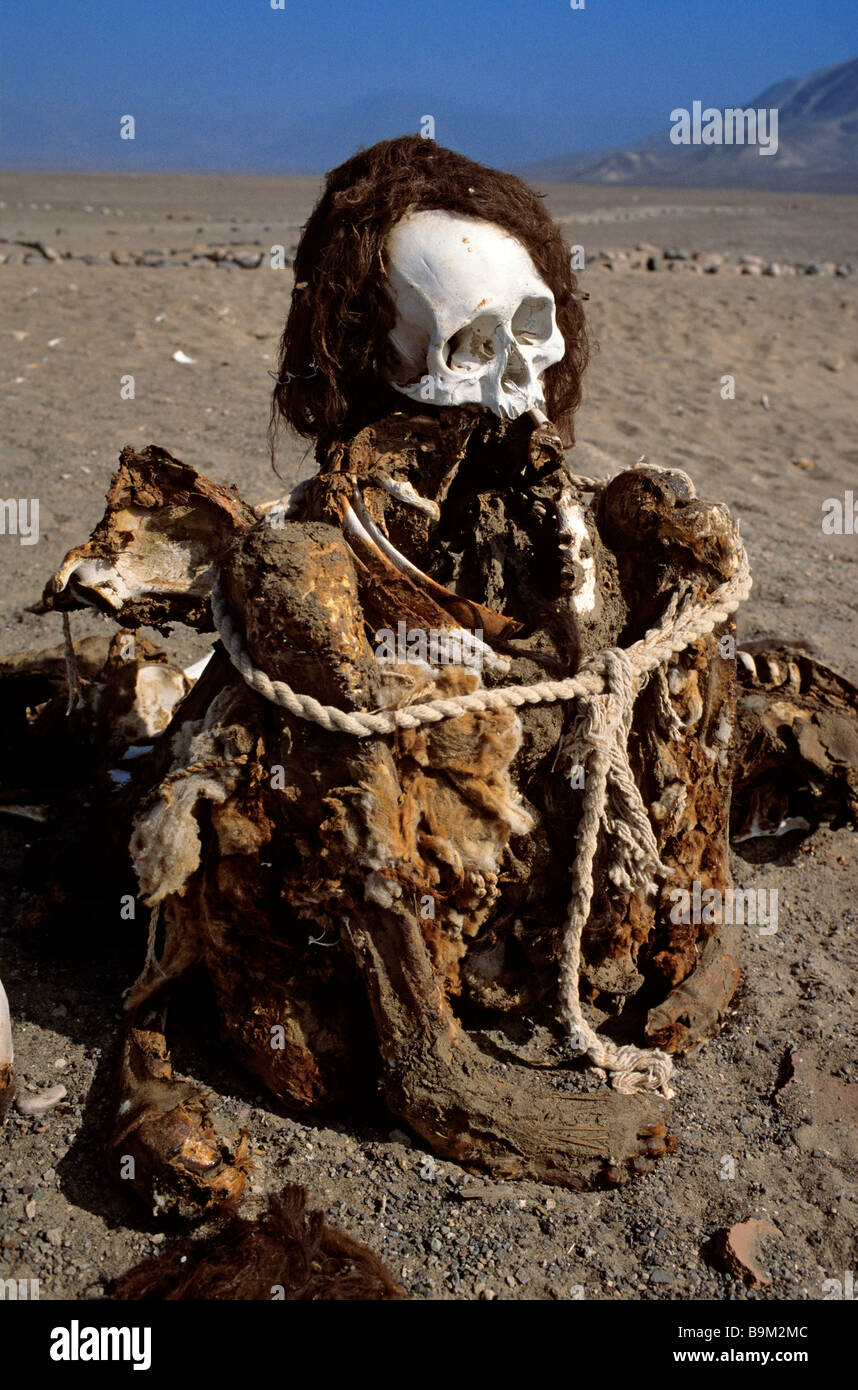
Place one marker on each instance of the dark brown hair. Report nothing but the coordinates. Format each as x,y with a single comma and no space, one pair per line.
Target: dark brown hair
334,344
286,1247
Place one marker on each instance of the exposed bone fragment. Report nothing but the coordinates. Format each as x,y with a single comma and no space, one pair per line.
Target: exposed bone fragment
40,1102
7,1055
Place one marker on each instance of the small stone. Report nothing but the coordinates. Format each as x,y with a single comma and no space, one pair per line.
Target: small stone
807,465
660,1276
429,1171
54,1236
120,257
814,268
652,263
834,364
673,253
772,268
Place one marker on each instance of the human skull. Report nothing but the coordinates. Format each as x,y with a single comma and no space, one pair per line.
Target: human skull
474,321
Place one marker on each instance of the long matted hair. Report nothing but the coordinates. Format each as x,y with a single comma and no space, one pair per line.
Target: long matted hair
334,344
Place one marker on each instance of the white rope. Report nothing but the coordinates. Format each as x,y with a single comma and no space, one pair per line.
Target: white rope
611,800
607,686
658,645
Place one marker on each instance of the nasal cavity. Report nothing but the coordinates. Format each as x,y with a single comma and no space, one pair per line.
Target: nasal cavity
516,371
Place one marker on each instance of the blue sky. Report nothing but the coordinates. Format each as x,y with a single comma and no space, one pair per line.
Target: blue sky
235,85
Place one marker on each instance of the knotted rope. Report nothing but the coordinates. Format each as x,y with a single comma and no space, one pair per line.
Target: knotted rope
606,686
611,800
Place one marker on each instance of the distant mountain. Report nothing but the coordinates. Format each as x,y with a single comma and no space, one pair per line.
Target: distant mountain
817,146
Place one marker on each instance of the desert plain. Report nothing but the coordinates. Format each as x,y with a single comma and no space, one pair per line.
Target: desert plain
725,331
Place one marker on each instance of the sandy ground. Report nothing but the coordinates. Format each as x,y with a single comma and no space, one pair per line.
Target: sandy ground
71,331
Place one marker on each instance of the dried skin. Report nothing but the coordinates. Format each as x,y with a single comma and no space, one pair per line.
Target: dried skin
798,730
467,816
164,1143
150,560
435,864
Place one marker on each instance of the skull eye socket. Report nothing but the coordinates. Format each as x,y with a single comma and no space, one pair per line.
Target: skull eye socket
472,346
533,320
